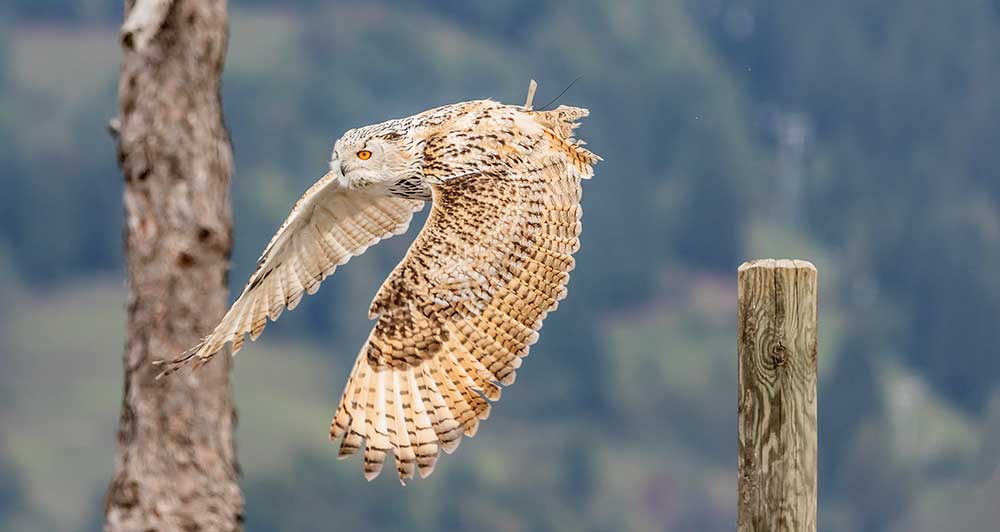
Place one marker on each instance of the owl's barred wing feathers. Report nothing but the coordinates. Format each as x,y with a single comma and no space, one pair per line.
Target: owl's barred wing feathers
464,306
326,227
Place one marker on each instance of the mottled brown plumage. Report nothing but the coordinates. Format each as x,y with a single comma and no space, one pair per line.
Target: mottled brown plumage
460,311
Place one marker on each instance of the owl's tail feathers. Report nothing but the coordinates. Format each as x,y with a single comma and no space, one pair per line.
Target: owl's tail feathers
563,119
412,411
561,122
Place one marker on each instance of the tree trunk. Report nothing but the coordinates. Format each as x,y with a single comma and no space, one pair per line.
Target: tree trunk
176,465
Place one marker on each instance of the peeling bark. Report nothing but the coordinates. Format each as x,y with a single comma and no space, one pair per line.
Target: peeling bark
176,465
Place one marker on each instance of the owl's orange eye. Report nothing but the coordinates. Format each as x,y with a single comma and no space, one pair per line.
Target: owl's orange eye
364,155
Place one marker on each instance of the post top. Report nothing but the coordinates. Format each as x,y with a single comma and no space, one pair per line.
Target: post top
774,264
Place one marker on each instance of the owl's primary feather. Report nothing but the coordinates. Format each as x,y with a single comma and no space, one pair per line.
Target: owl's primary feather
460,311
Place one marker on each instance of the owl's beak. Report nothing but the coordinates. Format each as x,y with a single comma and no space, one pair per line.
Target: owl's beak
336,169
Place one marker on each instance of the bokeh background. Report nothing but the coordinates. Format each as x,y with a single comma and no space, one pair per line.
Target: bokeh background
859,134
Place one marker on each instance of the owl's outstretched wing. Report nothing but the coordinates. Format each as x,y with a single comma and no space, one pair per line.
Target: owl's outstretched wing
327,226
463,307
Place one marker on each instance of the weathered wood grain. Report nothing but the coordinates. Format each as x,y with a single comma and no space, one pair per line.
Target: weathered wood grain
176,467
777,396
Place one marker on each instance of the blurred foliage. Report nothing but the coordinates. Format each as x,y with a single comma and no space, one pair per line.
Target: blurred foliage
900,101
856,134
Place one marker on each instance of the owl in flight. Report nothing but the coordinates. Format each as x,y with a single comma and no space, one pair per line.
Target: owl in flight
459,312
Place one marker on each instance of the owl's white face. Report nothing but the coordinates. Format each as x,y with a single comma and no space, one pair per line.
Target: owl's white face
362,162
367,160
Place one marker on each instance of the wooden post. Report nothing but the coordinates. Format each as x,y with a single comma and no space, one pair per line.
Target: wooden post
777,396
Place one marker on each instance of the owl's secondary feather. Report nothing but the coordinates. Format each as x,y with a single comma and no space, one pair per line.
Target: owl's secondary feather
458,314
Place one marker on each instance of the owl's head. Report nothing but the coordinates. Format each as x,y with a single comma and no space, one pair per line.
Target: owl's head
373,155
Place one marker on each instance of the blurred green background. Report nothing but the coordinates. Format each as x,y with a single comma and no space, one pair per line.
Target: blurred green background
860,134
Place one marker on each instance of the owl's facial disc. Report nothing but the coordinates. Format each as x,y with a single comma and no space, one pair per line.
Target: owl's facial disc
362,161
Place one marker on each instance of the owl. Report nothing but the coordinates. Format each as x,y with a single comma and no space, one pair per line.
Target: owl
457,315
